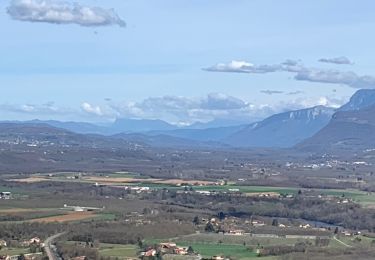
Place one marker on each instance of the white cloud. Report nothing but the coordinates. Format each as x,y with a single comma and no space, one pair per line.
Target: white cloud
337,60
178,110
173,109
91,109
242,67
348,78
33,109
58,12
219,101
301,72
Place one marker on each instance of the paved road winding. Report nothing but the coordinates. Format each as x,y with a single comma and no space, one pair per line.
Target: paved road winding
47,246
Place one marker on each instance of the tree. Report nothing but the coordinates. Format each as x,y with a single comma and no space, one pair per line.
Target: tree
196,220
209,227
190,250
221,215
336,230
139,242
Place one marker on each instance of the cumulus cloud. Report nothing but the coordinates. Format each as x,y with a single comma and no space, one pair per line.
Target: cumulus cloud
92,109
271,92
58,12
338,60
301,73
177,109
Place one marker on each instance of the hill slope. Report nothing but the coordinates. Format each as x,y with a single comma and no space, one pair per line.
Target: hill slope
362,99
348,130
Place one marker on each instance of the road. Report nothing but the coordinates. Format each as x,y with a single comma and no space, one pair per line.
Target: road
47,246
335,238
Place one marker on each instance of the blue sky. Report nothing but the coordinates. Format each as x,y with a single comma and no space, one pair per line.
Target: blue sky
156,66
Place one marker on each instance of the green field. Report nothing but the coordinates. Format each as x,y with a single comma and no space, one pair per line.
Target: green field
209,250
210,244
14,251
211,238
105,216
358,196
120,251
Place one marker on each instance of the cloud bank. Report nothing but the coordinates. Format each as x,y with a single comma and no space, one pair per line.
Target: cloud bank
215,106
176,110
58,12
301,72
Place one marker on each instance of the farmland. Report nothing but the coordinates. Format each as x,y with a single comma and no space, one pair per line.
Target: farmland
119,251
273,215
71,216
128,179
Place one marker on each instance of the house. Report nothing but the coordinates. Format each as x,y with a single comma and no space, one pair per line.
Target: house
257,223
5,195
347,233
236,232
3,243
34,240
181,250
167,247
79,258
305,226
203,192
149,253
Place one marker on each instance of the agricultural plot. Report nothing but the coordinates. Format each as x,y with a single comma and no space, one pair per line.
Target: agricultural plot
71,216
118,251
14,251
247,240
355,242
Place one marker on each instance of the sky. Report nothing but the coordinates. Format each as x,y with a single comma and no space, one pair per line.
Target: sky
181,61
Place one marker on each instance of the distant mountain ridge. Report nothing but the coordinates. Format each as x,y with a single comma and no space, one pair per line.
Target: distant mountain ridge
363,98
352,127
347,131
284,129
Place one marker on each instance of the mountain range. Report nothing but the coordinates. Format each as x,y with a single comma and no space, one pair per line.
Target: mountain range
306,129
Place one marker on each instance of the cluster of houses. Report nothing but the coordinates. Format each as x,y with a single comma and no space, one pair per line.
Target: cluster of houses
137,189
26,243
26,257
167,248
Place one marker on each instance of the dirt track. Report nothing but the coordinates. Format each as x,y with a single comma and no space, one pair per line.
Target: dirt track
71,216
